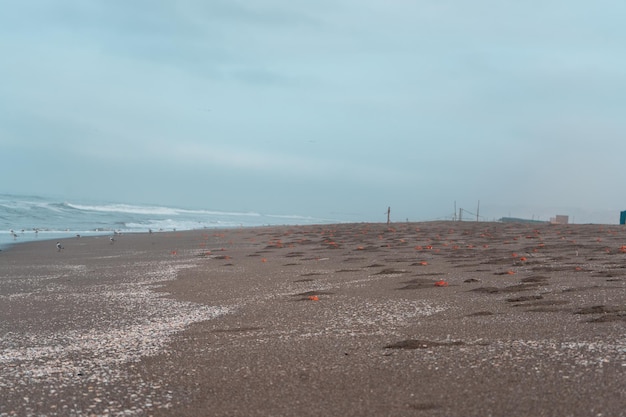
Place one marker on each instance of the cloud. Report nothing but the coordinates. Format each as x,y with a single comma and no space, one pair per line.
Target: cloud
452,98
277,163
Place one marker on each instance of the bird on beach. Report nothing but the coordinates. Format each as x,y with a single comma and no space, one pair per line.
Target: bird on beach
112,240
59,247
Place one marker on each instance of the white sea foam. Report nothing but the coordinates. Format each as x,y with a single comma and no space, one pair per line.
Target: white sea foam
156,210
125,208
24,215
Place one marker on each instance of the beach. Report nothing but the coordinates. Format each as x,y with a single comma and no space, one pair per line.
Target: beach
363,319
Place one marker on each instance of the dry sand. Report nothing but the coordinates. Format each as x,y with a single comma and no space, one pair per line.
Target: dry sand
333,320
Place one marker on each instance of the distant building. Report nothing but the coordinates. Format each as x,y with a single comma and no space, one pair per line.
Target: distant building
559,219
622,217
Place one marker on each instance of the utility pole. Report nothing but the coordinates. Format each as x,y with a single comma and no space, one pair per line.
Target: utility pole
477,210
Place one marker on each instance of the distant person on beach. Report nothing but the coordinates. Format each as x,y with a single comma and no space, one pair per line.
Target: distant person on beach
388,214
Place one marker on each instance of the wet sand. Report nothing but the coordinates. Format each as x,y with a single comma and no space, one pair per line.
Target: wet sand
412,319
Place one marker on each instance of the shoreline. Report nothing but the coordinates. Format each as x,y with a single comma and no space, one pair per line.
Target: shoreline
329,319
69,235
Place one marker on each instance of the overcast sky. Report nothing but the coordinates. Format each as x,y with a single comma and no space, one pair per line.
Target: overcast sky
323,108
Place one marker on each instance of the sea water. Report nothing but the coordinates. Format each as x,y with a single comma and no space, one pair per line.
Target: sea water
27,218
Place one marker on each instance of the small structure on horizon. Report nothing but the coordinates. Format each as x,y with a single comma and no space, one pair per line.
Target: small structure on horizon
559,219
622,217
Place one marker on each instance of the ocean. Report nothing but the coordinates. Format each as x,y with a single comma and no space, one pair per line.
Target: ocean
27,218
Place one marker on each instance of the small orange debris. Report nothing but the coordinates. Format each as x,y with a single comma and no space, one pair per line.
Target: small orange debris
514,255
314,298
523,258
511,272
173,252
263,260
423,263
441,283
360,248
418,247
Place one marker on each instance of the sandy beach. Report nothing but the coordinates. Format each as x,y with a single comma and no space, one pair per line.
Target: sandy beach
407,319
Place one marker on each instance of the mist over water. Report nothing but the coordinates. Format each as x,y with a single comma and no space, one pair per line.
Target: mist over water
26,218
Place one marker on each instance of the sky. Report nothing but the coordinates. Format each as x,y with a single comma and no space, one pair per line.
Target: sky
335,109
